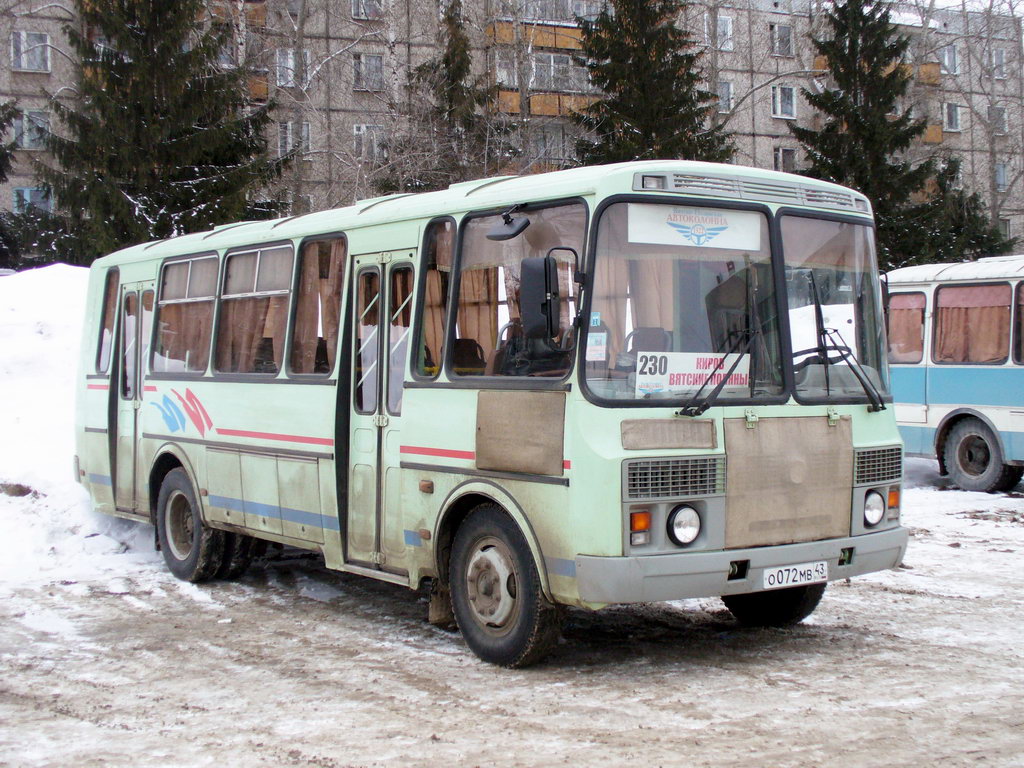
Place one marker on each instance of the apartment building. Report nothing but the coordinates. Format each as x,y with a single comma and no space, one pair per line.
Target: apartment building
337,71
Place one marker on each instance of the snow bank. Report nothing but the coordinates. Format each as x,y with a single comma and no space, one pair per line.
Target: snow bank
46,525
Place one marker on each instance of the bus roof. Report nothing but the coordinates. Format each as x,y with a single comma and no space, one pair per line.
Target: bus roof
990,268
695,179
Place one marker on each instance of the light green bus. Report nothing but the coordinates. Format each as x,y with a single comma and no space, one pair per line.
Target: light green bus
626,383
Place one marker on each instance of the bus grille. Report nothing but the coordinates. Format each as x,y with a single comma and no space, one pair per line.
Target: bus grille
662,478
880,465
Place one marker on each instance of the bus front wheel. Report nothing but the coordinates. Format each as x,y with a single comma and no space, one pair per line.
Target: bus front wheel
775,608
974,459
192,551
496,593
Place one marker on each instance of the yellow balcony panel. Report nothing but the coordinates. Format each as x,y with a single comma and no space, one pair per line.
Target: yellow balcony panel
932,134
508,101
258,90
576,103
537,35
256,14
929,73
544,104
821,63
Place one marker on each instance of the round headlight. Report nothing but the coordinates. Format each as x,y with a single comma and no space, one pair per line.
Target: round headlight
683,525
874,508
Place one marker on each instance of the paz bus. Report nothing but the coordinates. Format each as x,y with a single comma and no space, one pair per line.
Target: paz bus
956,346
636,382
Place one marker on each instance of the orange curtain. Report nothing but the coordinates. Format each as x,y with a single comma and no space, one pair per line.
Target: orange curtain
972,324
478,306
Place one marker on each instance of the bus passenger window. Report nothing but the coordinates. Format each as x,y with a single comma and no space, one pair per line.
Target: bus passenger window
318,306
367,341
129,352
1018,343
254,311
972,323
107,329
488,317
400,314
185,315
906,327
439,250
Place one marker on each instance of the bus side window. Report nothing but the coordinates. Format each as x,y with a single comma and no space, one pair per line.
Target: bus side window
972,323
906,327
439,251
107,328
318,306
367,341
400,320
185,315
129,353
1018,343
254,311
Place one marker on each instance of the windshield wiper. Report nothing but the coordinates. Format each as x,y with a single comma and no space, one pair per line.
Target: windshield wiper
696,406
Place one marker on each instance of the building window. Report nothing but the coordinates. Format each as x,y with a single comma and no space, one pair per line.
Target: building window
722,39
31,127
950,117
785,159
505,71
287,64
783,101
997,63
31,197
367,9
997,119
949,62
1006,231
551,144
30,51
561,10
724,96
782,39
557,72
366,142
1001,172
292,137
369,72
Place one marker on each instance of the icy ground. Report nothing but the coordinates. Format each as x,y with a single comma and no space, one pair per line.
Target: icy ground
105,659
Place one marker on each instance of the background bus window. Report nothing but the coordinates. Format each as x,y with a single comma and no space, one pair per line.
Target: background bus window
128,349
367,341
318,306
185,316
1018,343
488,332
439,250
906,327
254,311
972,323
107,329
400,314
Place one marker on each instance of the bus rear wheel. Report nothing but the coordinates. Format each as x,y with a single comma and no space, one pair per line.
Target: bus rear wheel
192,551
496,593
974,459
775,608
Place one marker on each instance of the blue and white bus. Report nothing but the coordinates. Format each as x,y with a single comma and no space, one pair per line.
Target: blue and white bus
956,350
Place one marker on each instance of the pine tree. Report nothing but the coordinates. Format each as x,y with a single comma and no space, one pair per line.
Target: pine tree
863,141
160,140
8,237
648,72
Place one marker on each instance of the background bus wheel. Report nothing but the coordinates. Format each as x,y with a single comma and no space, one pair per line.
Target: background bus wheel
192,551
775,608
496,594
239,551
974,459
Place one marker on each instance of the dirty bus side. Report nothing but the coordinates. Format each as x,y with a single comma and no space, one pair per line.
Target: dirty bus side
637,382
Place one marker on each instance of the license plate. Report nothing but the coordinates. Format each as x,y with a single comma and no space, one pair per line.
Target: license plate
794,575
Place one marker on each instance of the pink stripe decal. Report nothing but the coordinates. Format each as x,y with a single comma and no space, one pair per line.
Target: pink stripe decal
275,436
443,452
566,464
150,388
97,386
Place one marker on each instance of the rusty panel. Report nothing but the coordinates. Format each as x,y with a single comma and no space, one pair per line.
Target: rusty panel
520,431
648,434
508,101
544,104
789,480
932,134
929,73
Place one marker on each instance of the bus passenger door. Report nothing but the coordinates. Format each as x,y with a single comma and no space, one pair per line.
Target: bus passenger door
135,320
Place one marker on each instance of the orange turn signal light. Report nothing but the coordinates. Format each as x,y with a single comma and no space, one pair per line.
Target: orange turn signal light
640,521
894,498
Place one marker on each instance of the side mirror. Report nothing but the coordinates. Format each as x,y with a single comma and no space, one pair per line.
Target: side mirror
539,300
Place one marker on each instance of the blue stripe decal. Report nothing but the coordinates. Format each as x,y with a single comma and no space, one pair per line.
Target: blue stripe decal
558,566
302,517
413,538
975,385
907,384
922,440
100,479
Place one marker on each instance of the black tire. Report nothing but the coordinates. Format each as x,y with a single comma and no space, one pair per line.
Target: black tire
239,551
974,459
496,594
775,608
193,552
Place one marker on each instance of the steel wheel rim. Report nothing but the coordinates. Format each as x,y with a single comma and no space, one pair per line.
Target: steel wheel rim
973,455
180,525
492,585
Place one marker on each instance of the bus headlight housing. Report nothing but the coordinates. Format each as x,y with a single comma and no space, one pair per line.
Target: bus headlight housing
683,525
874,508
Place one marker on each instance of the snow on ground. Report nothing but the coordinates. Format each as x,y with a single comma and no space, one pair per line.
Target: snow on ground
108,660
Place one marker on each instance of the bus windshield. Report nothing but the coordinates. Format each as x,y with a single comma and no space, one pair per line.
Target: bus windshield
683,305
834,309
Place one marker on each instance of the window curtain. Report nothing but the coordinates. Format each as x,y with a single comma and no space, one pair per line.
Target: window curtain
906,328
972,324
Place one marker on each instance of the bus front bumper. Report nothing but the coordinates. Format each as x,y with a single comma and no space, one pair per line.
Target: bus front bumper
654,578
